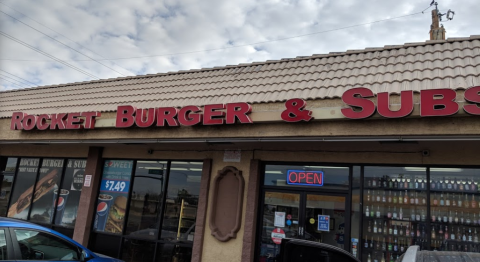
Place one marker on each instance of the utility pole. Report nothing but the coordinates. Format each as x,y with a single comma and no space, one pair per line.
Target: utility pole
437,31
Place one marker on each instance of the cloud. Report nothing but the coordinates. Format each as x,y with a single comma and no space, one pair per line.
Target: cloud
124,28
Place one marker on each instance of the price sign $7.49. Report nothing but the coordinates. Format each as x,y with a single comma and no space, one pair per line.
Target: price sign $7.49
115,186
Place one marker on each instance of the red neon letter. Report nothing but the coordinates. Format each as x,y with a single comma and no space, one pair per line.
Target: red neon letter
406,105
356,97
73,121
290,177
125,116
16,123
239,111
301,176
309,178
90,119
42,122
143,119
57,120
472,96
188,116
444,106
29,122
167,114
317,179
209,113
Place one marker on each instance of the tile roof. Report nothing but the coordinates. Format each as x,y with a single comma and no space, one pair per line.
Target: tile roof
453,63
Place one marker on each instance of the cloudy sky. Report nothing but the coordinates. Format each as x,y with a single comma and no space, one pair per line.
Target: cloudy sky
45,42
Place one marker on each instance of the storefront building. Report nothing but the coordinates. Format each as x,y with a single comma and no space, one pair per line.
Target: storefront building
370,150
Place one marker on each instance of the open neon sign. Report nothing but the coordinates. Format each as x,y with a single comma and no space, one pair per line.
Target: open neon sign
305,178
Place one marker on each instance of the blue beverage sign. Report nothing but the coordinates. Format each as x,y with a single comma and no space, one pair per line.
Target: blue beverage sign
323,223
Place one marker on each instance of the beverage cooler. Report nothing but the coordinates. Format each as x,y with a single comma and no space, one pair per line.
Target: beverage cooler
402,208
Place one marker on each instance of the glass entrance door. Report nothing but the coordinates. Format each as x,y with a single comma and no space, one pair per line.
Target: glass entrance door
302,215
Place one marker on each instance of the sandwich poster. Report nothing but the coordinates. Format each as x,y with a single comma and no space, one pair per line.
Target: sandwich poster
45,191
22,191
112,200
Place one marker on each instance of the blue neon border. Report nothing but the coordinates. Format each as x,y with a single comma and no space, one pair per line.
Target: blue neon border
300,184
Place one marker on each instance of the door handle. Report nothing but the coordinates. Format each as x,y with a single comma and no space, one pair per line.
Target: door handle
300,231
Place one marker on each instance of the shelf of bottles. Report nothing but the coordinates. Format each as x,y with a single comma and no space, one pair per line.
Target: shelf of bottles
395,216
455,213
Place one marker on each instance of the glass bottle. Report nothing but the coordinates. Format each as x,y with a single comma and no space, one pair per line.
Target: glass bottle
372,212
400,214
461,186
375,227
424,200
468,220
374,182
394,215
379,229
456,217
395,230
449,185
444,185
395,245
407,230
467,186
368,196
390,244
411,183
395,183
455,185
450,217
416,183
459,200
466,203
402,246
435,200
474,202
433,233
389,196
378,243
385,230
400,198
445,217
369,228
400,232
412,214
452,235
423,215
371,242
366,245
446,233
405,199
470,236
384,245
433,215
454,200
423,184
423,232
432,184
440,232
459,235
367,212
390,182
390,230
378,196
395,199
385,182
412,231
447,201
418,230
412,199
475,236
378,212
369,259
462,219
464,235
384,197
406,182
442,201
389,213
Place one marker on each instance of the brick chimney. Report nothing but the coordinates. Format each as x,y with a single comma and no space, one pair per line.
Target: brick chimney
437,32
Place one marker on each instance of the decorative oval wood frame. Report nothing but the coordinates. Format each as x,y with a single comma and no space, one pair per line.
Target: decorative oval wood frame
233,199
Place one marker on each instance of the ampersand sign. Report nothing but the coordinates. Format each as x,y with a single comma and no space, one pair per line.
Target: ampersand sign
295,111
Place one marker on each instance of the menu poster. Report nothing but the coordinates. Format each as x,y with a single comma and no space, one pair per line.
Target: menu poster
22,191
69,198
112,200
46,190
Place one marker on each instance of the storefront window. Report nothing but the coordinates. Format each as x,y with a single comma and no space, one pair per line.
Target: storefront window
70,192
112,200
146,200
7,182
182,201
46,191
333,177
455,213
22,192
356,212
394,211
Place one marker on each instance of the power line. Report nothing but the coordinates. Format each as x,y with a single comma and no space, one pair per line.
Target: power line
236,46
10,82
18,77
71,48
61,35
20,82
48,55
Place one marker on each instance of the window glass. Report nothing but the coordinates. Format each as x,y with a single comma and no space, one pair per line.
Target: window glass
455,213
333,177
134,250
3,245
22,192
356,212
182,201
35,245
6,186
146,200
394,211
172,252
46,190
112,200
66,211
